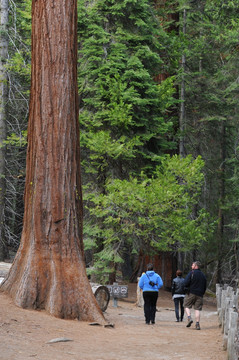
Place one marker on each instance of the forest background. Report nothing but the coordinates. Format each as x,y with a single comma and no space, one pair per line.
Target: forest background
158,92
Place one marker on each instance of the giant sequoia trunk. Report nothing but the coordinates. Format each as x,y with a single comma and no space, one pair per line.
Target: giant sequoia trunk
49,271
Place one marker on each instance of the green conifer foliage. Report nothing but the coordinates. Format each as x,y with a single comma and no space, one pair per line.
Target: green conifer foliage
148,215
123,123
211,101
125,127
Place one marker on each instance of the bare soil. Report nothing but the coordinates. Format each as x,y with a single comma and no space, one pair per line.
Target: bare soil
26,334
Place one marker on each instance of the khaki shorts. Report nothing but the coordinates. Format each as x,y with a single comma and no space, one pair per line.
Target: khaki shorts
195,300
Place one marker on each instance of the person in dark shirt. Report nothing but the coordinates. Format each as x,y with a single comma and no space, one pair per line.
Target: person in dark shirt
178,294
196,283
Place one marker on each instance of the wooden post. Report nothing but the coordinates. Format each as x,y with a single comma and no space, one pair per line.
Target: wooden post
115,297
228,307
140,300
223,306
235,300
231,348
218,295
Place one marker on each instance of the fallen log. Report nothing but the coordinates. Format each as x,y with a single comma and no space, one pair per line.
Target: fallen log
102,295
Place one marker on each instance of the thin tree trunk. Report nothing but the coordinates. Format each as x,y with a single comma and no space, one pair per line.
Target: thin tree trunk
220,229
3,101
49,270
182,95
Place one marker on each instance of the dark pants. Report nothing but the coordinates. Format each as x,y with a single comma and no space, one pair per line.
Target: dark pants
178,301
150,300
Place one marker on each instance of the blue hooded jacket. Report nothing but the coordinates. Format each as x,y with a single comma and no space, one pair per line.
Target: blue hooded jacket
150,276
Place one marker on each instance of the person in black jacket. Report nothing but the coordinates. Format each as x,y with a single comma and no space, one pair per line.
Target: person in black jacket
196,283
178,294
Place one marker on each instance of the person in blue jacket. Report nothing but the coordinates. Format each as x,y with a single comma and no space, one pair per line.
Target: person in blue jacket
150,282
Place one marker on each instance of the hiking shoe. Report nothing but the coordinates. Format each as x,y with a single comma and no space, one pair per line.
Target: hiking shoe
197,327
189,323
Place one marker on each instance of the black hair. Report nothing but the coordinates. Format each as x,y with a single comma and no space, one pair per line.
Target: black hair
150,267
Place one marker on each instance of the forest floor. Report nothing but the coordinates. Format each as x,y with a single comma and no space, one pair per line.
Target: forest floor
26,334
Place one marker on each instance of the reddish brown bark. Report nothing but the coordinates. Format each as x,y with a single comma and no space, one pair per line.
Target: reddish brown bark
49,271
164,264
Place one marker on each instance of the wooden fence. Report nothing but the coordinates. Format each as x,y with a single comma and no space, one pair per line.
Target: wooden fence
227,307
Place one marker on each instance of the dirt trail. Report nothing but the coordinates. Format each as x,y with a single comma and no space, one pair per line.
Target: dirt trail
25,334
